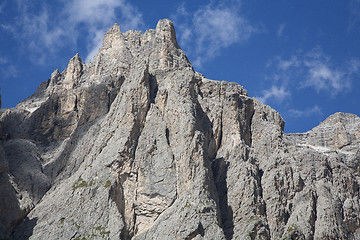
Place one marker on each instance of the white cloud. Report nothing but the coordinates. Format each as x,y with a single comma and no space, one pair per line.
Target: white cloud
204,33
219,28
286,64
324,75
304,71
276,93
40,31
316,110
47,31
92,12
99,16
315,70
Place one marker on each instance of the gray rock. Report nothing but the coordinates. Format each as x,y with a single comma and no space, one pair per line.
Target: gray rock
136,145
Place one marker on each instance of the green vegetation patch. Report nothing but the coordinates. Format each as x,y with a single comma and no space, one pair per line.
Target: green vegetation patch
254,218
187,205
292,228
102,231
98,228
80,183
62,220
107,184
80,238
98,232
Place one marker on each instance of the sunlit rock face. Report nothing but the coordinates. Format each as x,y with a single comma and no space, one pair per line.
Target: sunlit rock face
137,145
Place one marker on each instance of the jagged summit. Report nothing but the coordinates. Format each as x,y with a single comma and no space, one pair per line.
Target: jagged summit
157,48
116,28
137,145
167,27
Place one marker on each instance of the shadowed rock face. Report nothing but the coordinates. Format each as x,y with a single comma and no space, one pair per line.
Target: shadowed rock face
136,145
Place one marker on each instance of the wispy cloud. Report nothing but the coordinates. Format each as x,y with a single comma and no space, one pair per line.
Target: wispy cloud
284,65
316,110
99,15
322,77
280,30
3,60
354,16
9,71
316,70
2,6
276,93
46,32
208,30
354,65
7,27
323,74
304,71
39,33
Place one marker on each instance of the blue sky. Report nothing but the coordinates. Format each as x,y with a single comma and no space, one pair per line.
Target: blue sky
301,57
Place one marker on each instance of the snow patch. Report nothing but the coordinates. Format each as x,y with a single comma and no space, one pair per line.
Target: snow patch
323,149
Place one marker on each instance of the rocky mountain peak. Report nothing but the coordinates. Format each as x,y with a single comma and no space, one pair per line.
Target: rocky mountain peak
55,76
113,38
347,119
73,72
113,29
166,29
339,131
137,145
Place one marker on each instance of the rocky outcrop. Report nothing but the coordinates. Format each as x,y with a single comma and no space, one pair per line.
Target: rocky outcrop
136,145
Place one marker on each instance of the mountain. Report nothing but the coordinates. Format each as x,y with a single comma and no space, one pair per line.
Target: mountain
137,145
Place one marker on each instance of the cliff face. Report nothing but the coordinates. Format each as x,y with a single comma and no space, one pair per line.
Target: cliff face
136,145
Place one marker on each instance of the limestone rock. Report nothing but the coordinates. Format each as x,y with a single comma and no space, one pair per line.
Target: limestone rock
137,145
73,72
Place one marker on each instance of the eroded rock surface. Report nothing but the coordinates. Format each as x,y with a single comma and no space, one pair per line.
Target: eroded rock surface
137,145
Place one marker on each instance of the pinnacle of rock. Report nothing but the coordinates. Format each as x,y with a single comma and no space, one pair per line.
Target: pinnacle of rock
137,145
73,72
113,38
166,28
